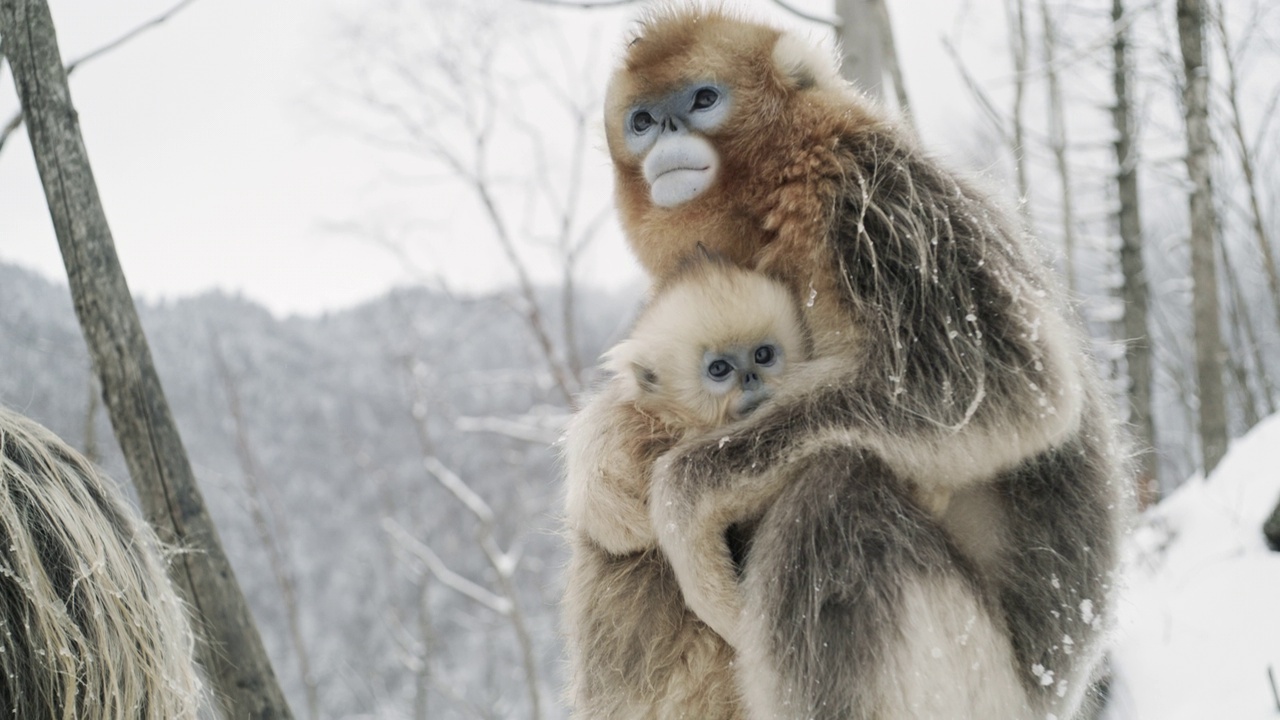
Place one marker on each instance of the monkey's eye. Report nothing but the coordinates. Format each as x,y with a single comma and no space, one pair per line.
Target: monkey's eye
765,355
705,98
719,369
641,122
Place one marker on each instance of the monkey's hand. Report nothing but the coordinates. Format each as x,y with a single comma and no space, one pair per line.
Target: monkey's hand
700,489
609,448
691,533
934,498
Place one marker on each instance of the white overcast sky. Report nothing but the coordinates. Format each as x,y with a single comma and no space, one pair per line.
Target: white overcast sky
217,172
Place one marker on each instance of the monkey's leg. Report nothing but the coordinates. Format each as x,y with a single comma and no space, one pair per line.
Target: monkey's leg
635,652
858,606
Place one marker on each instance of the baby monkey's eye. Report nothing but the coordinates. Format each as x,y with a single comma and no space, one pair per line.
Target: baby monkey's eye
641,121
719,369
765,355
705,98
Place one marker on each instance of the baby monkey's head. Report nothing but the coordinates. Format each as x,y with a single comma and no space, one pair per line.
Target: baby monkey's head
713,344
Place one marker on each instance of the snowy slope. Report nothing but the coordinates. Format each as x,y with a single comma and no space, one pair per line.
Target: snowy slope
1199,620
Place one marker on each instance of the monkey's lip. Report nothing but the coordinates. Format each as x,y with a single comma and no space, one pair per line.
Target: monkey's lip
668,171
678,185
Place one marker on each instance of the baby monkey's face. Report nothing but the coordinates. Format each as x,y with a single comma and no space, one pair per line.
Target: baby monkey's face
742,376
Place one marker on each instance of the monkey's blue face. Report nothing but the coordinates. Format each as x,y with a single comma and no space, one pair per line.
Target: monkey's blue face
749,371
670,134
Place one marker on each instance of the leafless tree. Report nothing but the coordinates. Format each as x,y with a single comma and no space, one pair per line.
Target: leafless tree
231,653
865,33
1246,153
1058,142
452,85
1016,15
503,563
1206,315
1134,293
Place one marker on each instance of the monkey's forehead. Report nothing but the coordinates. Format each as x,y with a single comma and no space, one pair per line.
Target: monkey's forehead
672,45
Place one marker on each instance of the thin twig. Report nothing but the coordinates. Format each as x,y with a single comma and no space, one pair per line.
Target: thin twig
1275,694
16,121
979,95
441,572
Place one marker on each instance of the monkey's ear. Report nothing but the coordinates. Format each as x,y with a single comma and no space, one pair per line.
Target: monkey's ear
646,378
804,64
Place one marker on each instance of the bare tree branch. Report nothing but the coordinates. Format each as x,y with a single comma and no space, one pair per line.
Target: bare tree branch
15,121
535,432
504,564
979,95
441,571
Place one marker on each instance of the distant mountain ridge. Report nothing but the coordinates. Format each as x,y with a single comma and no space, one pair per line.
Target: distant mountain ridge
328,406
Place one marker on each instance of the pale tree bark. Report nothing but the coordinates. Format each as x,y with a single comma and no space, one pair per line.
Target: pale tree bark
231,651
869,51
861,46
1016,13
1058,144
1212,419
1134,291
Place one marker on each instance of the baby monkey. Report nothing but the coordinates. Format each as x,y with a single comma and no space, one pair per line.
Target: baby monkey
712,346
715,342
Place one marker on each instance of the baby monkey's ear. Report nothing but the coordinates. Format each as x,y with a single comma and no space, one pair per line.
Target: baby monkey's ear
646,378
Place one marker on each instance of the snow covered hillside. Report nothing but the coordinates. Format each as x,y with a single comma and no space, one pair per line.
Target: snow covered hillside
1199,623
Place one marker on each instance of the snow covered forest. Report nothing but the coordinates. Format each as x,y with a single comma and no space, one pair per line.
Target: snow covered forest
384,476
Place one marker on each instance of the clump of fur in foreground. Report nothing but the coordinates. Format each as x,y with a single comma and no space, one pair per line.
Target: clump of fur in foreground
89,625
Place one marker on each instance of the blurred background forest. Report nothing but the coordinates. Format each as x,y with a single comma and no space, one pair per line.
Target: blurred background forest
383,472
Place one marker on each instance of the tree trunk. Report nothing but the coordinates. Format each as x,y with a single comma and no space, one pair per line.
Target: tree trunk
1017,16
231,651
1205,314
860,43
1058,144
1133,291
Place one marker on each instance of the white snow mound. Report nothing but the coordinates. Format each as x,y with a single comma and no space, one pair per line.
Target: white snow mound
1199,618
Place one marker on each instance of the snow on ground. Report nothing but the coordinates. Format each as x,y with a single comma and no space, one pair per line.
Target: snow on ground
1199,620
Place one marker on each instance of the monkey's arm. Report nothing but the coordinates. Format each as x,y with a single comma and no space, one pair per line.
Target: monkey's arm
704,486
609,449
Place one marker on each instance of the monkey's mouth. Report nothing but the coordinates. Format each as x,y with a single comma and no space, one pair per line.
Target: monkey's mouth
746,407
679,185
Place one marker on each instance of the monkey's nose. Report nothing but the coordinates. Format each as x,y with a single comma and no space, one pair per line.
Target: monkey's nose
751,381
